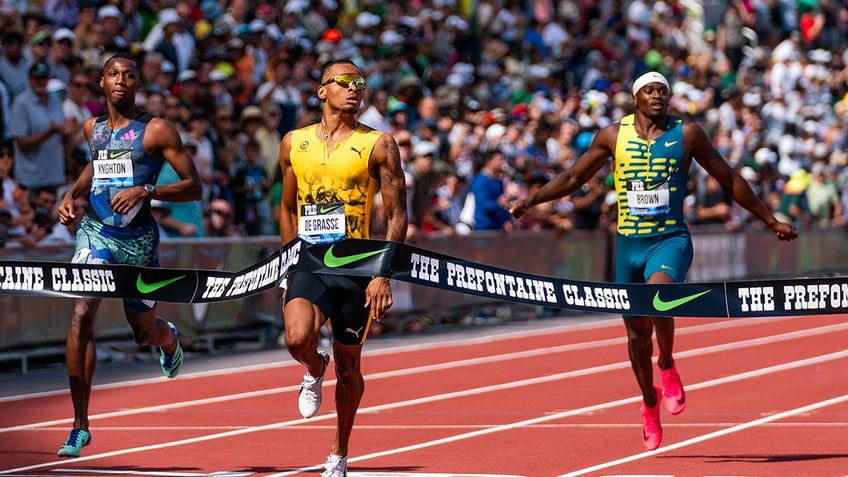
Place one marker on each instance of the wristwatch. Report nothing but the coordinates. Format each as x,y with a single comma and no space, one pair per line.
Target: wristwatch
150,189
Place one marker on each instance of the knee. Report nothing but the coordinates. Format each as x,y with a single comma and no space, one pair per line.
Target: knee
297,339
82,320
348,374
639,336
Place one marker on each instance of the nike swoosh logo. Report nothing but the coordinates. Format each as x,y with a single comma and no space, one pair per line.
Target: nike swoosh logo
327,208
666,267
333,261
114,154
152,287
669,144
662,305
653,185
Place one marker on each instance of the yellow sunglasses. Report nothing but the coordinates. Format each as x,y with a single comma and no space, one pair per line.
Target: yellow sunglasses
344,80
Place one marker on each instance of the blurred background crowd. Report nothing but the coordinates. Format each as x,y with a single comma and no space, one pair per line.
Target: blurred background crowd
487,100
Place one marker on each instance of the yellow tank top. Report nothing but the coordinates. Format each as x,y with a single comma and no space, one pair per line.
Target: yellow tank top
332,184
650,181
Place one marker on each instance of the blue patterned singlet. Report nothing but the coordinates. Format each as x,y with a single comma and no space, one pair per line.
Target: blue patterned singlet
118,162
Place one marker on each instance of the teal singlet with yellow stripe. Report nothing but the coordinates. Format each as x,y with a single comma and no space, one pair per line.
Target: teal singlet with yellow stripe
650,180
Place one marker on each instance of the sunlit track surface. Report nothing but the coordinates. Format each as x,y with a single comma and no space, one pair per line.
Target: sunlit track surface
766,397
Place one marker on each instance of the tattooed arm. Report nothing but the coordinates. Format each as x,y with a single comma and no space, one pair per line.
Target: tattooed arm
386,168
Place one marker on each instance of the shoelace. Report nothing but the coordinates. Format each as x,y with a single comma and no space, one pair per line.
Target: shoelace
332,462
73,438
308,386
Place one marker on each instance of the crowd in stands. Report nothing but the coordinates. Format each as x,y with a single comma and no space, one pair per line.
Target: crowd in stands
487,99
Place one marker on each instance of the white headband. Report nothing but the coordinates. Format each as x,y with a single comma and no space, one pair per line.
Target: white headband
649,77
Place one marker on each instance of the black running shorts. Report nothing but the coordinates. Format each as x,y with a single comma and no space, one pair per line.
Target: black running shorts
340,298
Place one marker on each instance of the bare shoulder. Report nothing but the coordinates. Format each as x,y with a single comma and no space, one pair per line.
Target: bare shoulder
88,126
161,134
287,138
610,130
386,149
159,126
607,136
693,132
285,148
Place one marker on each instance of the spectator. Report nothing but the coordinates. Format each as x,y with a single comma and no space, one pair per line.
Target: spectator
490,210
152,69
792,206
111,19
219,78
823,197
251,120
222,134
219,220
39,133
204,154
244,64
86,29
712,203
187,90
268,137
250,186
537,218
13,65
44,202
180,219
281,89
374,114
96,103
424,180
61,13
20,213
172,111
170,38
16,213
588,203
61,48
73,107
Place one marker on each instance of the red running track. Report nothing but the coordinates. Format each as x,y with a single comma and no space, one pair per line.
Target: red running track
766,397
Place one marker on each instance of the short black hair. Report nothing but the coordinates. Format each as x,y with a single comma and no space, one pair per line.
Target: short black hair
331,63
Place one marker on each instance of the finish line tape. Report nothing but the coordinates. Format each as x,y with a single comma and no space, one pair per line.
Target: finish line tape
402,262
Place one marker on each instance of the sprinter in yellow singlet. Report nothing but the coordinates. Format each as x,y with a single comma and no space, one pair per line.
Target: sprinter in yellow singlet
331,172
652,152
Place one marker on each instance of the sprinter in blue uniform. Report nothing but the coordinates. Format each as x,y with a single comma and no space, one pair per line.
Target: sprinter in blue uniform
128,149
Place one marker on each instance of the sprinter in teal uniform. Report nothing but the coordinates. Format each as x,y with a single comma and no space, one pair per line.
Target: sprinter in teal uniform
651,154
128,149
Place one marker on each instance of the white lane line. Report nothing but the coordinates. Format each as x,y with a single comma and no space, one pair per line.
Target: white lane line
92,472
441,397
447,343
712,435
598,407
406,427
288,362
452,365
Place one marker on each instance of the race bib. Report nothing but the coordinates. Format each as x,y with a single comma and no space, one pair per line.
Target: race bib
647,199
322,223
113,168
